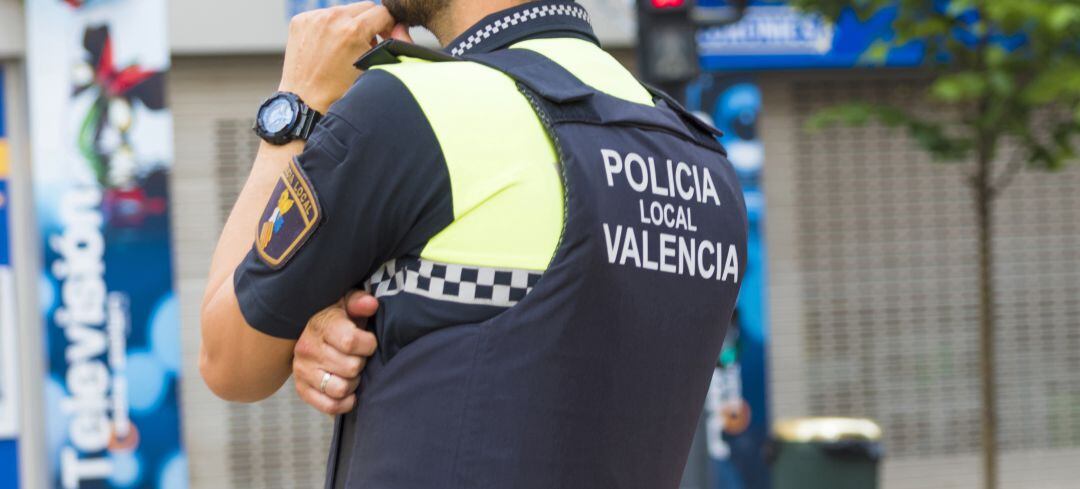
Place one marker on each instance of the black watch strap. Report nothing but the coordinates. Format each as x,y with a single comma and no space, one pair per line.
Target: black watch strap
309,117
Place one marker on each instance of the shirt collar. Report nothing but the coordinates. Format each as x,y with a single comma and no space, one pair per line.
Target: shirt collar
531,19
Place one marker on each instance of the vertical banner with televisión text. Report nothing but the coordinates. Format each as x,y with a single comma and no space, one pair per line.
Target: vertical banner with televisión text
102,147
9,389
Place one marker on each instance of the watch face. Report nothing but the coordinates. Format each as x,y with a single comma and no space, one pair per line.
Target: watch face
277,116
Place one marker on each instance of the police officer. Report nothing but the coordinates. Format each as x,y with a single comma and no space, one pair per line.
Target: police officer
556,251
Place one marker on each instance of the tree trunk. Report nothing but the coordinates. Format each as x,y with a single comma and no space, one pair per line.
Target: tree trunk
984,203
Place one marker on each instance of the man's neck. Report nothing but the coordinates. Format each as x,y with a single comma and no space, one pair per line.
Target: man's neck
462,14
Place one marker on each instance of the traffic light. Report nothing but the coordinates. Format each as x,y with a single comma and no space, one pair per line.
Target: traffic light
667,48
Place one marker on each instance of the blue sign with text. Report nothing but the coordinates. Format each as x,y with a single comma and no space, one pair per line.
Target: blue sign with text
775,35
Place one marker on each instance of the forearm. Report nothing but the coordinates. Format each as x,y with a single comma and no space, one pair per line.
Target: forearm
238,235
238,362
318,67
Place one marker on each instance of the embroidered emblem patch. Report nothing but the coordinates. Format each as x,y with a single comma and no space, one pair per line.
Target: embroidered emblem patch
290,217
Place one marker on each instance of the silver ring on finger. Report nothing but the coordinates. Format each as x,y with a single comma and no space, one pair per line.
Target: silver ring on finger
326,376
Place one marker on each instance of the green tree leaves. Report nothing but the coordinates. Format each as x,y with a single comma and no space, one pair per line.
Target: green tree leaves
1002,65
1011,70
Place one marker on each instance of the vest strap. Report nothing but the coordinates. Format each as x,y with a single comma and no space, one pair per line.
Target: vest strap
573,100
569,97
388,52
537,72
685,114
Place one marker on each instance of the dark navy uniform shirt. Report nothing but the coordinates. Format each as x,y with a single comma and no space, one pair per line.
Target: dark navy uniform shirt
431,184
382,184
383,191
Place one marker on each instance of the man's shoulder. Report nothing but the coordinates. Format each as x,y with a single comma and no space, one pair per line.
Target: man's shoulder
452,78
392,101
379,118
388,86
374,96
378,126
392,104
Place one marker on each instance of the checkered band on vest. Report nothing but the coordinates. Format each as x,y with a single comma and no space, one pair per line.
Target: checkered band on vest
455,283
572,10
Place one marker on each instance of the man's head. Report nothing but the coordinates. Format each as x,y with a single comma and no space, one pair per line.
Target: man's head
417,12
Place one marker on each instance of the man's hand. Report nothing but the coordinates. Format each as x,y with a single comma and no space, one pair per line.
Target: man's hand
334,343
323,45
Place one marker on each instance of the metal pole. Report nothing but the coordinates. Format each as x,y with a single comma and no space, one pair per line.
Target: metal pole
26,263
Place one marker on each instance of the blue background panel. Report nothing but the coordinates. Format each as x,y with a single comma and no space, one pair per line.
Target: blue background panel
773,35
9,464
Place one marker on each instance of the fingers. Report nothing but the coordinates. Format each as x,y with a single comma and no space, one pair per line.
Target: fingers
322,320
373,21
348,339
401,33
330,14
356,8
332,325
352,25
334,361
337,387
333,343
360,304
328,358
323,402
315,356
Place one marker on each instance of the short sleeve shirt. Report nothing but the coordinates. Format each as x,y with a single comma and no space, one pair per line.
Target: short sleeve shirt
375,168
383,191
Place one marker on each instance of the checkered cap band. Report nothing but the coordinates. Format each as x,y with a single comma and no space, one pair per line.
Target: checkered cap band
521,17
454,283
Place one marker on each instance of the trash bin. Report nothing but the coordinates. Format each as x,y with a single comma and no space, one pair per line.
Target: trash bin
826,453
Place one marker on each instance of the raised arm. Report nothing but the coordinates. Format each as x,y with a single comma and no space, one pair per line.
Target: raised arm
238,361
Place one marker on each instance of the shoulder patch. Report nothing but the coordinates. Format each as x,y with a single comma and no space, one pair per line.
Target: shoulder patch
290,217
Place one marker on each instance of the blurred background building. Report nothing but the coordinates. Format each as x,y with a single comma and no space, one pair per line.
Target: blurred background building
870,274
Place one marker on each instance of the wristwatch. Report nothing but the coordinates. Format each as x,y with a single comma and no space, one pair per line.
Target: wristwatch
284,117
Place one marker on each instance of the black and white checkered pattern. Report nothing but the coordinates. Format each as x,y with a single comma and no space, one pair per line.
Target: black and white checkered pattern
540,11
455,283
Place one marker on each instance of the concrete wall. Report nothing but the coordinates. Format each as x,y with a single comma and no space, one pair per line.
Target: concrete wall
12,34
873,290
234,26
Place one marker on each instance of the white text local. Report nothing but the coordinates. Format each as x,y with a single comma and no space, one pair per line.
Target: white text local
671,216
669,253
672,179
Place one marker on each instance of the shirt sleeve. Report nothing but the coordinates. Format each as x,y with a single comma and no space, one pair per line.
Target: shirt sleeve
381,190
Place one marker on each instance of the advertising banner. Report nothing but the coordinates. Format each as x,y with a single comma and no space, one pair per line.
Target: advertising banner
9,362
736,427
775,35
102,148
